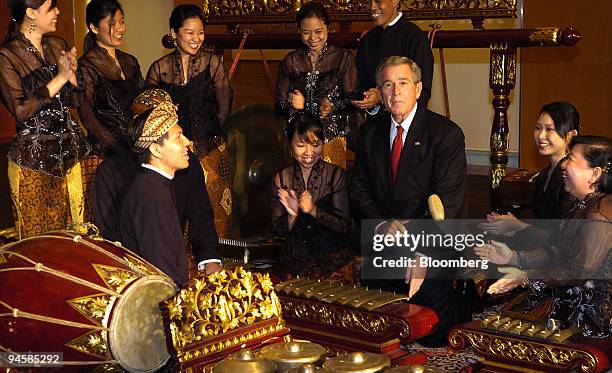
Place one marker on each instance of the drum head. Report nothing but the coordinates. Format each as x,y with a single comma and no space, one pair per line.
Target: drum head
137,337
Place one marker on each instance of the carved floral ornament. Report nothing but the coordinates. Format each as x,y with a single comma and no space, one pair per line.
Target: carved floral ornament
218,303
541,354
221,11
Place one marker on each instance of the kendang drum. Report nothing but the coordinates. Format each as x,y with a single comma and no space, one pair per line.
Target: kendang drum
94,301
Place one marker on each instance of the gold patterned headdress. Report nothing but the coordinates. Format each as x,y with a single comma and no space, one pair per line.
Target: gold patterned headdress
161,119
149,99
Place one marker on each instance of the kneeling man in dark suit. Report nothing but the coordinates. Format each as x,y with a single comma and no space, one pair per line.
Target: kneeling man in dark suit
403,157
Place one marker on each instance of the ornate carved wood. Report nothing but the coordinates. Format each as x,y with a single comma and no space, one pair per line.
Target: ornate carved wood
266,11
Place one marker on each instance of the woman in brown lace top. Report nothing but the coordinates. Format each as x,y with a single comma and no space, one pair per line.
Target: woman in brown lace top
112,79
38,81
310,208
318,79
198,84
575,270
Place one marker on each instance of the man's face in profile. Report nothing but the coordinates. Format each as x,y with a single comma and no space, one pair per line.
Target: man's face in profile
174,150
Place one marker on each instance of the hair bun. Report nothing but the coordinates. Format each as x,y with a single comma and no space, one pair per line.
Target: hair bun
168,41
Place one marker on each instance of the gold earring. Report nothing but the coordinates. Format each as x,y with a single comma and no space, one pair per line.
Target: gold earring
32,28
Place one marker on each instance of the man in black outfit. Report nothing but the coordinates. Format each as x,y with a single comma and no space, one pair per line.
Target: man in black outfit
403,156
393,35
187,196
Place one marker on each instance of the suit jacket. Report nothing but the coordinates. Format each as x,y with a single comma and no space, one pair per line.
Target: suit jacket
432,162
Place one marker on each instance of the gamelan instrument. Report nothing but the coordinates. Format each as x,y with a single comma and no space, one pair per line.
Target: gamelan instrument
363,362
346,318
217,315
291,355
512,344
274,359
308,368
245,361
92,300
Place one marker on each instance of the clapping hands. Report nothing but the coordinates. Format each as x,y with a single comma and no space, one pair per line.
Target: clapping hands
289,199
504,224
297,100
294,204
67,66
495,252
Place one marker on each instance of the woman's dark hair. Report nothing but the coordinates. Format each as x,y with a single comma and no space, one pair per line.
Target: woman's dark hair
183,12
564,115
135,128
312,9
95,12
598,153
307,127
17,12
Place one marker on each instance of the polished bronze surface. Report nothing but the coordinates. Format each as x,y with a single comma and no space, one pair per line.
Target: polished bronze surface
245,361
293,354
255,147
346,295
308,368
545,331
362,362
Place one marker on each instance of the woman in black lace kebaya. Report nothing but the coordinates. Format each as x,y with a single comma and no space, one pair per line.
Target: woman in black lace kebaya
38,81
112,79
310,207
318,79
573,272
199,86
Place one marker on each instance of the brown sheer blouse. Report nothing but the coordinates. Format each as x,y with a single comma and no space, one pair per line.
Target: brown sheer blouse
47,140
105,111
575,272
334,77
326,184
315,246
204,100
580,251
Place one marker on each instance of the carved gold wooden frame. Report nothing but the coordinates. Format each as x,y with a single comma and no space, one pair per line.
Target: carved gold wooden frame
279,11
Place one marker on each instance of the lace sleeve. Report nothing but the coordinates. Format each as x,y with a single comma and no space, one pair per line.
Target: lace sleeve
87,110
20,105
586,257
348,77
223,89
153,75
338,219
534,258
283,87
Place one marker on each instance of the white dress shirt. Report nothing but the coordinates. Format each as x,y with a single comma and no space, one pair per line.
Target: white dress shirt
405,127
